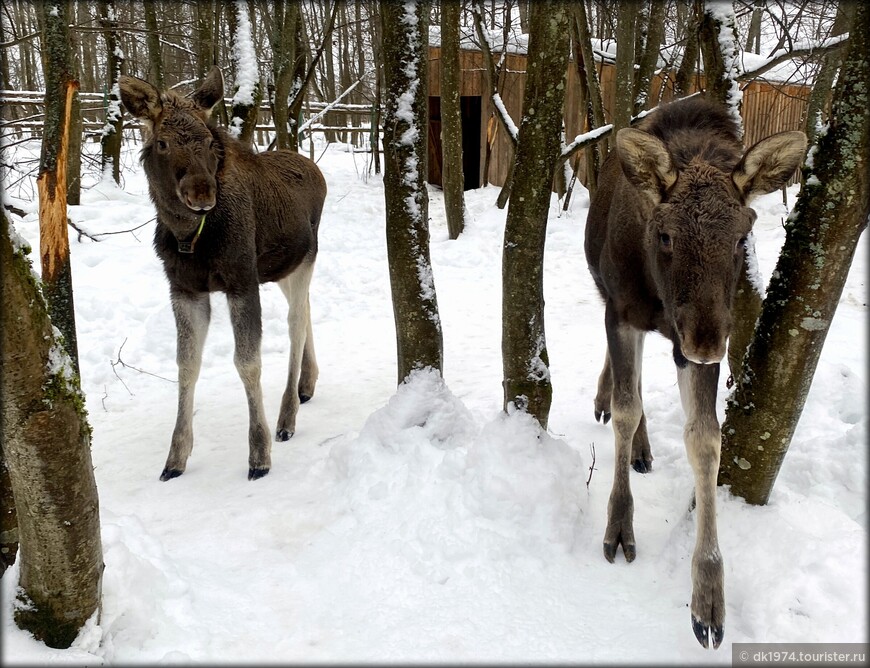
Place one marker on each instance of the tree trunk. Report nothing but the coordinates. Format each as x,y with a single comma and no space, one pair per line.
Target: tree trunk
155,54
524,348
111,139
649,57
415,307
60,89
46,446
623,99
596,153
8,516
821,235
753,35
689,62
820,97
284,50
453,179
719,51
248,93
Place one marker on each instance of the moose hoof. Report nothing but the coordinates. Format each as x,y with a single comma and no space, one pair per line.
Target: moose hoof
304,397
706,633
641,465
169,474
611,547
283,435
602,416
257,473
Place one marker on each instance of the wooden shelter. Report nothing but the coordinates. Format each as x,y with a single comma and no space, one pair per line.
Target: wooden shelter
767,108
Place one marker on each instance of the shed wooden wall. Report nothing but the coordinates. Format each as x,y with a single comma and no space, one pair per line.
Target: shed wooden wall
767,107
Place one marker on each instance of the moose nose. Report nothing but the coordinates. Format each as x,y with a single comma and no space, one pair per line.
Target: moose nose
197,194
702,339
199,204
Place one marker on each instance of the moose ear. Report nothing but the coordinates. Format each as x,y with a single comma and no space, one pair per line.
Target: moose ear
645,162
140,97
769,164
211,90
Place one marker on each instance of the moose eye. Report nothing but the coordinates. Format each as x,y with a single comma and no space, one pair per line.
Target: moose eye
665,240
162,145
741,244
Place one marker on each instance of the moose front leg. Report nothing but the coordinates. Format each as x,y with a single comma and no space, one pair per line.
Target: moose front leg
192,313
625,350
703,444
245,316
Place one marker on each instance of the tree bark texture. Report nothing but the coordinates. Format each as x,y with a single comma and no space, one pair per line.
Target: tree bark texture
60,89
453,179
689,62
525,360
821,235
415,307
46,446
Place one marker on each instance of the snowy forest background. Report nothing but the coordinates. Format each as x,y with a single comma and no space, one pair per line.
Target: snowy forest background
424,523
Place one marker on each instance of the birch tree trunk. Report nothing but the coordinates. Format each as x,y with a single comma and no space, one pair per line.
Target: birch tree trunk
60,88
404,28
46,446
453,179
821,235
525,360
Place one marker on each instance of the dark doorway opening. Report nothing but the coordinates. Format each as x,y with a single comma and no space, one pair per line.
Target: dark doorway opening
470,106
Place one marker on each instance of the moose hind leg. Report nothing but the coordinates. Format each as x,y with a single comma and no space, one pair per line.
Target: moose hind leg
295,289
309,372
192,314
641,454
245,316
604,392
703,445
624,345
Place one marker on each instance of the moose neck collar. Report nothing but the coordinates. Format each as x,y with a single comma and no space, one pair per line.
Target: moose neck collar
188,246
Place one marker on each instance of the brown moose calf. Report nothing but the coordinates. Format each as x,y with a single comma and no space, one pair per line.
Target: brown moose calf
227,220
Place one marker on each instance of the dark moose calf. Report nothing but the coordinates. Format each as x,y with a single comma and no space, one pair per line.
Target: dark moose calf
227,220
665,242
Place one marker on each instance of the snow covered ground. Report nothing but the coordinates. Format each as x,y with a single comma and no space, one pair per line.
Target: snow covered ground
425,525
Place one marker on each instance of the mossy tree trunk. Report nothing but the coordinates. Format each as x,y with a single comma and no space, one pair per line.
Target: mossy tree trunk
60,90
453,180
821,235
404,28
46,447
526,381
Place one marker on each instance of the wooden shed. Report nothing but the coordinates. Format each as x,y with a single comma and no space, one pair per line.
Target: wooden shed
767,108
